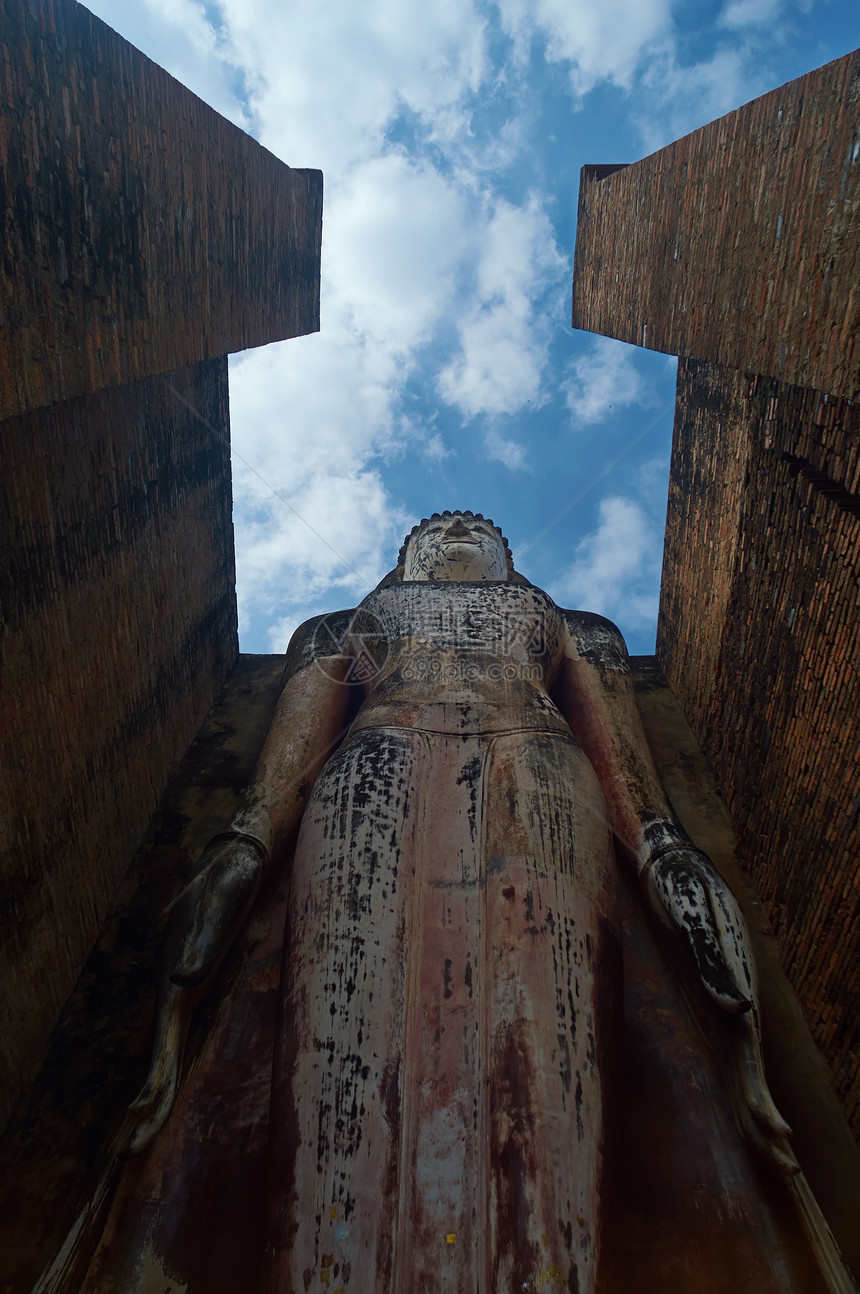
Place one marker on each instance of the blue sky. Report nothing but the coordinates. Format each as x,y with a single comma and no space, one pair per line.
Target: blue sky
446,374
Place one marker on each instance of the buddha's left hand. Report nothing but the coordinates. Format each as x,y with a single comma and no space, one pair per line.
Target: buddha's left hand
690,896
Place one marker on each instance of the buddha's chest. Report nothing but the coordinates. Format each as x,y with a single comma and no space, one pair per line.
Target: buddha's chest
503,621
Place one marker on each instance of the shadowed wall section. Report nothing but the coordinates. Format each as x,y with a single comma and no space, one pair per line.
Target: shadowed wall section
758,632
119,613
737,248
190,1213
144,238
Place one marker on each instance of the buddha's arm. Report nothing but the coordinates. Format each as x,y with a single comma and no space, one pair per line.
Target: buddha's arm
308,723
209,913
596,695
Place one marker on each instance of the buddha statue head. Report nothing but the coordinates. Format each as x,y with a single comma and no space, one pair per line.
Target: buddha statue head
456,546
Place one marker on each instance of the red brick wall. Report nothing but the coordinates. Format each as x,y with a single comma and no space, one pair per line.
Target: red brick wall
142,232
737,244
118,617
758,636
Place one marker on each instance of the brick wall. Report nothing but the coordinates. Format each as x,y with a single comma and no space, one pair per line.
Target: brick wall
144,238
142,232
118,627
737,244
758,635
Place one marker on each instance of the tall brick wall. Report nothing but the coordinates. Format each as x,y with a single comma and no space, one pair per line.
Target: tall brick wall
118,626
737,247
758,636
144,238
142,232
739,243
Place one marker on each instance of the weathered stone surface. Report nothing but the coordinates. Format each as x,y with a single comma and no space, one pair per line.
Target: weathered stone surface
142,232
758,637
799,1075
448,1066
738,244
119,624
191,1214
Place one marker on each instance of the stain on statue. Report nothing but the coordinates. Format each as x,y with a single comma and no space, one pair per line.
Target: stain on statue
450,986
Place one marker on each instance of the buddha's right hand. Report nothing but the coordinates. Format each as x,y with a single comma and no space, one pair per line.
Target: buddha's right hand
203,922
211,910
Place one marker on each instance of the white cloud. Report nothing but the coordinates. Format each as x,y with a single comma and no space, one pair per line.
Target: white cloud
178,36
503,341
340,533
435,450
616,568
634,44
518,254
750,13
328,78
604,381
281,631
603,41
313,440
291,418
396,234
682,98
504,449
500,364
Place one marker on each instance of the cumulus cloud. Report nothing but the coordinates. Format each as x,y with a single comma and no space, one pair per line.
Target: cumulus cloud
291,419
313,441
504,449
682,96
604,381
328,78
616,568
338,533
281,631
633,43
178,35
434,448
499,364
750,13
503,338
600,42
397,232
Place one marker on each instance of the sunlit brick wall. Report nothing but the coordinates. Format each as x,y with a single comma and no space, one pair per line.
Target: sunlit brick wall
738,243
142,231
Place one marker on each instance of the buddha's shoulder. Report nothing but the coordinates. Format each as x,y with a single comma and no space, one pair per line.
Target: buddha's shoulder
320,636
596,639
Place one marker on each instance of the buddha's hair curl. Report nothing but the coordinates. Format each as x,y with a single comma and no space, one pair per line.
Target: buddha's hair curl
443,516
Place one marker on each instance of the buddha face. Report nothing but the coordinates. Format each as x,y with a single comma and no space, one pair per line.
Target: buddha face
456,547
